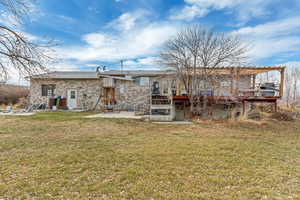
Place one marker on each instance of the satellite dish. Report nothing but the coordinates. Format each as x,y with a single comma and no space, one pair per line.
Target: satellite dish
98,69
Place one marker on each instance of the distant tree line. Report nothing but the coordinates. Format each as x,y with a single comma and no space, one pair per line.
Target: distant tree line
11,94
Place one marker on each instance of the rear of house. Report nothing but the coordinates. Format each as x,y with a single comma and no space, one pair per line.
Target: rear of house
157,93
77,90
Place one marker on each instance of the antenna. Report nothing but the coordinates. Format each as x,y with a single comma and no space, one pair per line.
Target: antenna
122,64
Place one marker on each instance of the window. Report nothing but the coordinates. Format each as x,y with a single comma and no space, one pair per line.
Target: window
48,90
207,93
142,81
73,95
225,83
108,82
155,88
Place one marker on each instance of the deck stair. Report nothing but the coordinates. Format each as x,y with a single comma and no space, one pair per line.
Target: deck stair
160,100
161,108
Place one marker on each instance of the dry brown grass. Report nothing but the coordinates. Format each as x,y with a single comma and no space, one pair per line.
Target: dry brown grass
65,156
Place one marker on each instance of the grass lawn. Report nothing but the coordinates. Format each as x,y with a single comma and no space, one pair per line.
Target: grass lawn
64,156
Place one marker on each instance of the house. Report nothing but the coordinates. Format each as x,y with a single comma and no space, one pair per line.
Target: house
158,93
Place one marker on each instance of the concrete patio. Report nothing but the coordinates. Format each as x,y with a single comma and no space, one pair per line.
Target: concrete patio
121,115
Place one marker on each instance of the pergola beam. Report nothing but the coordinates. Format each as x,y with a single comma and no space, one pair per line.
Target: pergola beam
242,70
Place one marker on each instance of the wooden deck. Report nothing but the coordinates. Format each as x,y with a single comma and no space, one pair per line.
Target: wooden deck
233,98
244,100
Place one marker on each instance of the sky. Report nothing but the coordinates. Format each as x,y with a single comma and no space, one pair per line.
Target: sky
92,33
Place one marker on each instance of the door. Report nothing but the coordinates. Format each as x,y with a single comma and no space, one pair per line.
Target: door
179,112
109,96
72,99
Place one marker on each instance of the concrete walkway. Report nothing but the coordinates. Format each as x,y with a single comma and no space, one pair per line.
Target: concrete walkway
175,123
124,115
16,114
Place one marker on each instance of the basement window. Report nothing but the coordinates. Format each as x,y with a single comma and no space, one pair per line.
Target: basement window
48,90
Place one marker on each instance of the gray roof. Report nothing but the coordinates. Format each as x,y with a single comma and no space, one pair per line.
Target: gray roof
67,75
94,75
133,73
137,72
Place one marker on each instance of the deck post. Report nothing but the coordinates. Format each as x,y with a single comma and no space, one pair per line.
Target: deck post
282,73
177,88
253,81
244,108
231,80
237,81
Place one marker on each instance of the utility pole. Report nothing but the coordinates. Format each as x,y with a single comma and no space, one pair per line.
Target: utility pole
122,64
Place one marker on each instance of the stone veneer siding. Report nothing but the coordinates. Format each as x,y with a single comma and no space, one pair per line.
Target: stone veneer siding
128,94
91,88
131,96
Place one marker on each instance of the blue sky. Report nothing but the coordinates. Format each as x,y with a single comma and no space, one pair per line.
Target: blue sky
102,32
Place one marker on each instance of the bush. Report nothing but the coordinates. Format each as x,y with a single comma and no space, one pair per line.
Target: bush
282,116
255,116
22,103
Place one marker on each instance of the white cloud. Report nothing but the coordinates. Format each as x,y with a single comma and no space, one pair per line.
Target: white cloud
138,42
129,20
282,27
97,40
148,63
244,9
64,66
273,38
9,20
190,12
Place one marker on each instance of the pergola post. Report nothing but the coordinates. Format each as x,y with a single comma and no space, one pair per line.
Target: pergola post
237,81
282,73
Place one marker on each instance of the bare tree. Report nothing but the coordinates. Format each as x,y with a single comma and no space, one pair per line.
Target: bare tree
295,74
288,87
16,50
291,92
196,53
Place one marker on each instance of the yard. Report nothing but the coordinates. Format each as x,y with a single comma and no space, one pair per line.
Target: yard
64,156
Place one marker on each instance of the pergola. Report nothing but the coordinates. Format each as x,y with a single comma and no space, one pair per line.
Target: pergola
237,72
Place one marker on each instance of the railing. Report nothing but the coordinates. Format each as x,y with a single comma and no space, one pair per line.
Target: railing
160,100
261,90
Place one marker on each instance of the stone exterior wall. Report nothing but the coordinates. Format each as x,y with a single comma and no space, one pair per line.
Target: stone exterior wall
131,96
87,91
